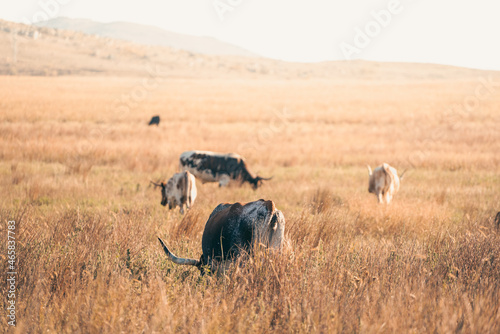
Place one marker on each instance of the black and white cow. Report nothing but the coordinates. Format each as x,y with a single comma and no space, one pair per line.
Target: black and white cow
179,190
233,228
218,167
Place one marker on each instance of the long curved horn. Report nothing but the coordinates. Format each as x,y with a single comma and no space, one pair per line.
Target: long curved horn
369,170
265,178
402,175
178,260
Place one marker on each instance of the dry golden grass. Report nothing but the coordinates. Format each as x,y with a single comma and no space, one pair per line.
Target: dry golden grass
76,160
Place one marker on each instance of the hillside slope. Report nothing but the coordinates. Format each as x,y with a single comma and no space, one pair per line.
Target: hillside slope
31,50
147,35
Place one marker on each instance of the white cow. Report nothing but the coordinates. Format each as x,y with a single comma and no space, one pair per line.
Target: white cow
180,190
384,182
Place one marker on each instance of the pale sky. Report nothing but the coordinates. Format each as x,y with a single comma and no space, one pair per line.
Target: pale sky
453,32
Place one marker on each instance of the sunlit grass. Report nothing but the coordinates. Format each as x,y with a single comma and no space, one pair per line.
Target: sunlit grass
89,259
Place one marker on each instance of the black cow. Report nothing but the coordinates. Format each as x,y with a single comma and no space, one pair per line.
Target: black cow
233,228
155,120
218,167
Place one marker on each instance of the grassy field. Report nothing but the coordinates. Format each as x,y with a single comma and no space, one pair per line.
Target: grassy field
76,161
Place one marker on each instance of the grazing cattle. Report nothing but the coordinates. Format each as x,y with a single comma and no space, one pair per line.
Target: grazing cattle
217,167
233,228
180,190
384,182
155,120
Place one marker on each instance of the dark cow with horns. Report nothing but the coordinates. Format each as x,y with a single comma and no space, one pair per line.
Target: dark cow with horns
233,228
217,167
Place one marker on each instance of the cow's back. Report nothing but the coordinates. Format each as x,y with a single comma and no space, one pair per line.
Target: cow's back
226,231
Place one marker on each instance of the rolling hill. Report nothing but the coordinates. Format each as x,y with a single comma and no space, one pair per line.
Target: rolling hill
147,35
46,51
